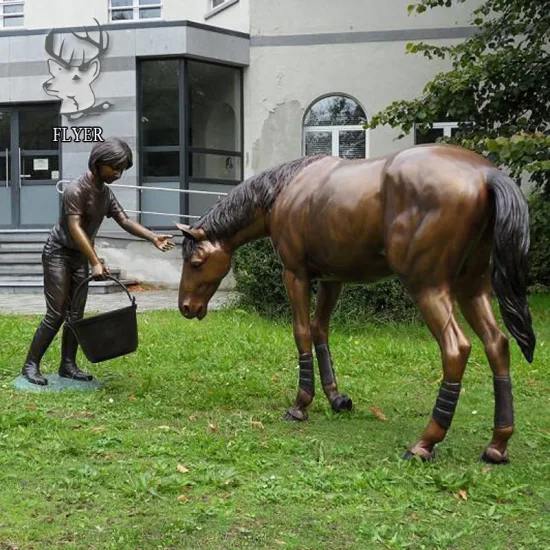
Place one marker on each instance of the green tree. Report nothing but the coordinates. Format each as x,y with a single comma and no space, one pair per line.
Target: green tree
498,88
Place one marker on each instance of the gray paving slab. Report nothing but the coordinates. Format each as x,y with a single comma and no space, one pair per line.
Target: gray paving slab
30,304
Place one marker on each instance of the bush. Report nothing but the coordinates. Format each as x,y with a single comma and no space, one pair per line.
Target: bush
539,255
258,275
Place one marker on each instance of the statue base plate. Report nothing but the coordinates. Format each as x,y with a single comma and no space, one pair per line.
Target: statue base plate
56,384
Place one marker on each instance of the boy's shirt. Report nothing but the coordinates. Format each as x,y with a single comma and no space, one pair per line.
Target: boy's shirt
82,197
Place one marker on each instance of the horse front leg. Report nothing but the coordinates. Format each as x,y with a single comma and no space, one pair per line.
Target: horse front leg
298,293
327,297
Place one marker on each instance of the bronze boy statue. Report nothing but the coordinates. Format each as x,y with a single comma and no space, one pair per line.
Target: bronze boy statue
70,248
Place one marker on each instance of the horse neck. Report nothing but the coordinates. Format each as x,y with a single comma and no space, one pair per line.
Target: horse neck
257,229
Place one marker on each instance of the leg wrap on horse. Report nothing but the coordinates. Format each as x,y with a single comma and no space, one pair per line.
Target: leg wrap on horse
325,364
504,402
445,406
306,373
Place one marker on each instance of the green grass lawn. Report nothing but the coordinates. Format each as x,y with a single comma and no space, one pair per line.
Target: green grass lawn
185,446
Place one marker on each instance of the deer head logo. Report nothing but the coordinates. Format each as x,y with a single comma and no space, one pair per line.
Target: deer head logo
74,71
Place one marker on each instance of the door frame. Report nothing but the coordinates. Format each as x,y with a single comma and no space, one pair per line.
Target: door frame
15,162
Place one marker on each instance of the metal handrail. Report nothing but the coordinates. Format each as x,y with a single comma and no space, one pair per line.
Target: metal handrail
196,191
162,214
140,188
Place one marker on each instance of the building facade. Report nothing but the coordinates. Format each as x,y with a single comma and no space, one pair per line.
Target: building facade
206,92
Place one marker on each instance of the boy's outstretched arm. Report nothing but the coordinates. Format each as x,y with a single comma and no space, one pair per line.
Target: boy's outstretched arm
138,230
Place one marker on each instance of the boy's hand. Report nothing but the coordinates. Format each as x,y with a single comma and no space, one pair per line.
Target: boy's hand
162,242
99,272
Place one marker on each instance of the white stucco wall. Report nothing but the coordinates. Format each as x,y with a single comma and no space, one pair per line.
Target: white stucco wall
234,16
41,14
315,16
334,50
277,93
63,13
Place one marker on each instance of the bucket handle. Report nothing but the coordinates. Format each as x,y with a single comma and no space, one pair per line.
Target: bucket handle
90,278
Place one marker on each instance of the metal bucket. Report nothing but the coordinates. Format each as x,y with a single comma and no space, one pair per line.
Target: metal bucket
107,335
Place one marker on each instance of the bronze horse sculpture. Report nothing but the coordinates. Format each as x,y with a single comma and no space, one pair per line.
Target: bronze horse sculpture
442,218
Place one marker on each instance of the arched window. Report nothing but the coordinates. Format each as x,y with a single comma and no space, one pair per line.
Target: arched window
334,125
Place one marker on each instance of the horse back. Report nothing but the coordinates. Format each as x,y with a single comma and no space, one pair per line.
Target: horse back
329,220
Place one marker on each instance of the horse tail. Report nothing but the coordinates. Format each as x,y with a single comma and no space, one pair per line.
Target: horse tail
509,266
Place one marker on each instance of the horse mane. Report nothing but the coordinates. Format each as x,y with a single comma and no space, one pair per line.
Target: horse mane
239,207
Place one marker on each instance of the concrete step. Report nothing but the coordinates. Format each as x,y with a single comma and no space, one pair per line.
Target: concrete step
32,287
21,265
10,236
7,277
36,278
20,269
33,270
10,258
19,246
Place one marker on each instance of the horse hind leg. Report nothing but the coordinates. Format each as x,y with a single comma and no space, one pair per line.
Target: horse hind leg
327,297
478,312
437,308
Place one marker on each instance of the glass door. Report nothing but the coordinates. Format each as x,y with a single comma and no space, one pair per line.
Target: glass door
29,166
6,203
39,161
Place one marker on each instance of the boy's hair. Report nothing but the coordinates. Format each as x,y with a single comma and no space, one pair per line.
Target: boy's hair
112,152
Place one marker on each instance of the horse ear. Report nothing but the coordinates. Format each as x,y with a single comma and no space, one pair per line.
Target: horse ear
191,233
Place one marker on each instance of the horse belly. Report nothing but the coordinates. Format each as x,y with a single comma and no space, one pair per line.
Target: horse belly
352,259
375,269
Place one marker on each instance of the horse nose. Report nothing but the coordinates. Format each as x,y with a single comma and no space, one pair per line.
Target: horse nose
184,310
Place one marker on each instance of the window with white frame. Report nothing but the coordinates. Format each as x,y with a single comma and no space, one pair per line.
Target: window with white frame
334,125
12,13
128,10
437,130
216,6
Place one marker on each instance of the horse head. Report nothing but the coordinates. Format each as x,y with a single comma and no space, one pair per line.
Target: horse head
205,264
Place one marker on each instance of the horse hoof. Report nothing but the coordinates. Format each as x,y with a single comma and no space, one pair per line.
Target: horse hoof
295,415
422,454
493,456
342,403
